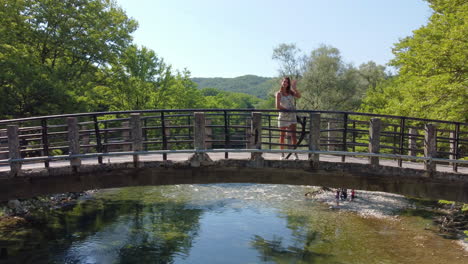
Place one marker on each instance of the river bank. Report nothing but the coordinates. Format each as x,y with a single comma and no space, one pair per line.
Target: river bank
30,210
450,219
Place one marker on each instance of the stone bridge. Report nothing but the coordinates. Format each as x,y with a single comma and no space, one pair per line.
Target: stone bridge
69,153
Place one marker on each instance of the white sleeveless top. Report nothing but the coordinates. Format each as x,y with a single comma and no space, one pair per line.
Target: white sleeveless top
287,102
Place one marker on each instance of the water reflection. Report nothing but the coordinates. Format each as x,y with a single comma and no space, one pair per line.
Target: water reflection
301,249
238,223
274,250
140,232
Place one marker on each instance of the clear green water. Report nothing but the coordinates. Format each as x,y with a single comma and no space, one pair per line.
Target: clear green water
238,223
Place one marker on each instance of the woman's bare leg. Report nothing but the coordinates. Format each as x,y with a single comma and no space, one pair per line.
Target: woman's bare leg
293,133
282,136
292,127
281,141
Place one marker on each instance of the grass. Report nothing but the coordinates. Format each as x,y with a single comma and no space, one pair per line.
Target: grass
446,202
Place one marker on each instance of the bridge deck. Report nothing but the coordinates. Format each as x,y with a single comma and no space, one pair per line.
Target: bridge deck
220,156
366,140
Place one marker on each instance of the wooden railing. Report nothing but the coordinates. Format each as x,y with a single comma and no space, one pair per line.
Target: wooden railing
85,135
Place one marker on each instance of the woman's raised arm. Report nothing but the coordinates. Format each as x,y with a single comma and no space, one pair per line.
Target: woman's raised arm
297,94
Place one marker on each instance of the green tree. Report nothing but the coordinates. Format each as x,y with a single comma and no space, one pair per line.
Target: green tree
329,83
137,78
433,79
292,61
51,52
372,74
180,92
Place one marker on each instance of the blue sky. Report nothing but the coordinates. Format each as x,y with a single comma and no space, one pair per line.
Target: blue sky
229,38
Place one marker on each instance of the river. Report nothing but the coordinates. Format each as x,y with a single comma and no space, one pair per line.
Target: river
225,223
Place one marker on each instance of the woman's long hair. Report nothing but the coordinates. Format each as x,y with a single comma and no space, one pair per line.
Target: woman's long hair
288,88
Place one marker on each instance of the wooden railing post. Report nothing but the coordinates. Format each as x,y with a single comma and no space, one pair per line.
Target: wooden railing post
374,140
73,142
413,133
199,140
137,137
430,146
256,134
199,131
314,136
208,134
14,149
126,136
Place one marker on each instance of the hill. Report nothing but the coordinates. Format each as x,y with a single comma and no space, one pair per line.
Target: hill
249,84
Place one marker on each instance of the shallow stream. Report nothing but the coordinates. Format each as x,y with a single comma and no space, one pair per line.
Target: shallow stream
231,223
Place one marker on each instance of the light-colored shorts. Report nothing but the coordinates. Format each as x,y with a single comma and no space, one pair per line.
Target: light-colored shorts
286,119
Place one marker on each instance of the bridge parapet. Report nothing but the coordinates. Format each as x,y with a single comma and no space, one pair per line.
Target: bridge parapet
51,138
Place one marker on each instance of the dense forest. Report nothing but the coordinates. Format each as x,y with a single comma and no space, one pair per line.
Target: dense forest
79,56
432,80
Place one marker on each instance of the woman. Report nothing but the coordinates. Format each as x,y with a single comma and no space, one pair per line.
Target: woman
287,120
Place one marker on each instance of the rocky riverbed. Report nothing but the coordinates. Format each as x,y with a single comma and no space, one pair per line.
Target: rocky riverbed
451,218
366,204
32,209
